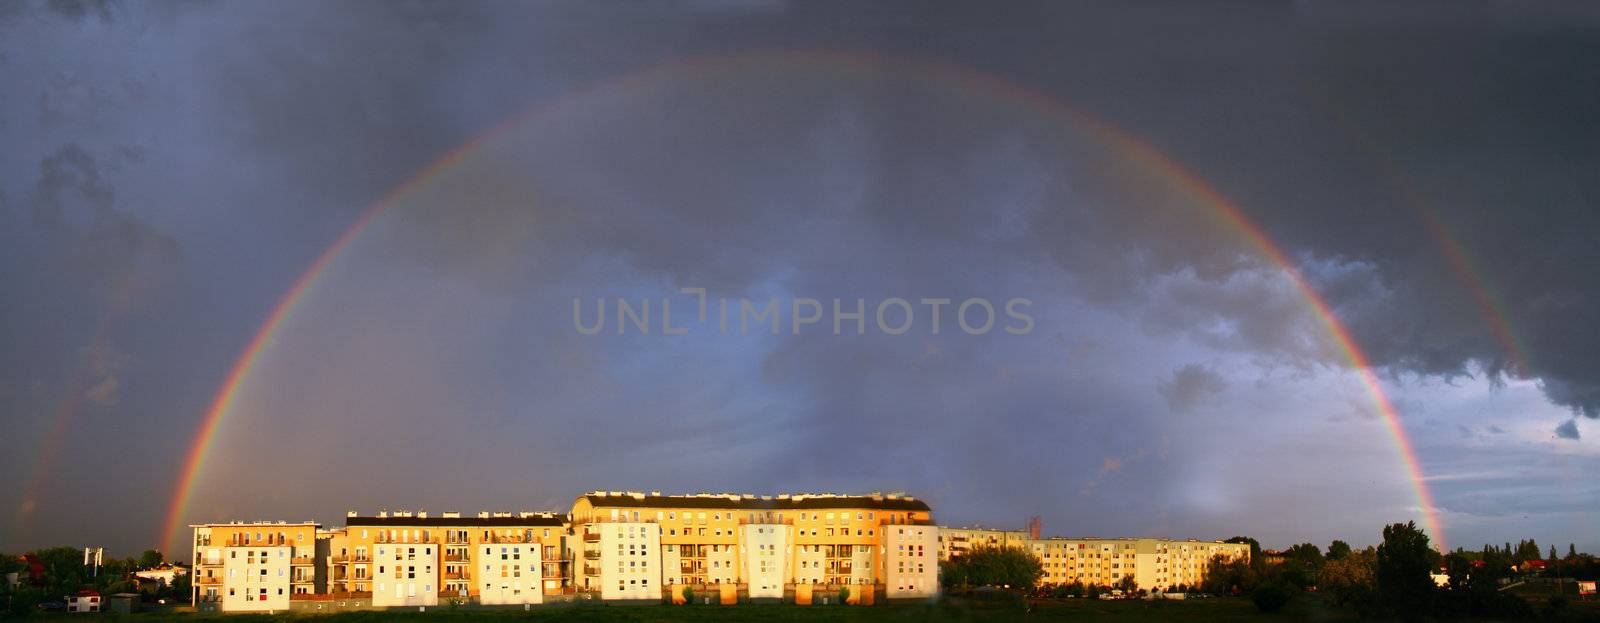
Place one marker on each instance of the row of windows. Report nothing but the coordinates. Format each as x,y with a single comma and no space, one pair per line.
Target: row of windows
756,517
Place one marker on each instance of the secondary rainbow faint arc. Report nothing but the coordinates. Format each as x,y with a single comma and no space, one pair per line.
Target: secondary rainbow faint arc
936,73
1467,273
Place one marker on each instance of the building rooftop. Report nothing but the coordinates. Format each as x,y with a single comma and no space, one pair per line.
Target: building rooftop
252,523
746,501
483,519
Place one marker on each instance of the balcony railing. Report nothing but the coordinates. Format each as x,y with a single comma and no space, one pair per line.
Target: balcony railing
591,555
302,561
591,537
455,557
210,579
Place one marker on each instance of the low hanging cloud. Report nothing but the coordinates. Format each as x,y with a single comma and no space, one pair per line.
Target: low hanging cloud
1189,385
1568,430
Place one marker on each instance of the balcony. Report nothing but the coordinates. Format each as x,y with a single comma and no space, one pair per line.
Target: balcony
590,570
458,575
210,579
339,559
302,561
591,537
455,557
590,554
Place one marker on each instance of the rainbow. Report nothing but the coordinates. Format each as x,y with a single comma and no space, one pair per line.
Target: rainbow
79,385
1466,271
935,73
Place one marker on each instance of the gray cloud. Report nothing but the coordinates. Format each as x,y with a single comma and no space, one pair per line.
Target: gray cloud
1189,386
1568,430
249,136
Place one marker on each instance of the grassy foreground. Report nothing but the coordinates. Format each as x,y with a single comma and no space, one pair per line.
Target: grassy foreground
1052,610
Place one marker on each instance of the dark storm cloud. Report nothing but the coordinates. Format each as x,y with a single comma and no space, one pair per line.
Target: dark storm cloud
254,133
1484,125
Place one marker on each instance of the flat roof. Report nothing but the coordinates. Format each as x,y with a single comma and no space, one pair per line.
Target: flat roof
750,502
540,520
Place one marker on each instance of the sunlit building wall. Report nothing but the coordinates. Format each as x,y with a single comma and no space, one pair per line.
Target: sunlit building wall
502,558
1153,563
763,544
252,567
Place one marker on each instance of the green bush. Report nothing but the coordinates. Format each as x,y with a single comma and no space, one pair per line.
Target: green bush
1271,597
688,594
844,594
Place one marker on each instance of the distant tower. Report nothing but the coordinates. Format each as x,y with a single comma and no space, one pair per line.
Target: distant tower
1033,527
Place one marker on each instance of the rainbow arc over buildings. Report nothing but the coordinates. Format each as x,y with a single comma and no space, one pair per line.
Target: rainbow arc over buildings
939,74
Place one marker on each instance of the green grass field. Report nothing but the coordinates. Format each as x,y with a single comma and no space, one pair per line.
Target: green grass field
1054,610
1303,608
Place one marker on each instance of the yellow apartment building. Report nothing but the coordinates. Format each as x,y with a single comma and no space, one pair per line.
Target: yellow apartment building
632,545
957,541
253,567
1153,563
628,545
413,559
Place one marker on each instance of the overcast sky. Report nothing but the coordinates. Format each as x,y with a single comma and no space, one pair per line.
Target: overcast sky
169,170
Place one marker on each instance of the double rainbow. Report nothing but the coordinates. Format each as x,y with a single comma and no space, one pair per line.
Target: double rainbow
936,73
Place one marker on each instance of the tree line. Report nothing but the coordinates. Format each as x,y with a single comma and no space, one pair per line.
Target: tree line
63,574
1392,580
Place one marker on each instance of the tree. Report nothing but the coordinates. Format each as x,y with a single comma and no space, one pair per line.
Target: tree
1338,550
1011,567
1300,565
1255,549
1127,583
1226,576
64,572
1572,550
1526,551
1404,587
150,559
952,574
179,589
1349,580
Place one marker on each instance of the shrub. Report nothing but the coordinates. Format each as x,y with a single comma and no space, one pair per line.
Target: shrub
688,594
1271,597
844,595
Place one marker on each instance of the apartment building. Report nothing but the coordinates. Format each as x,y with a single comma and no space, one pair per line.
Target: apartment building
1153,563
412,559
957,541
253,567
635,544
